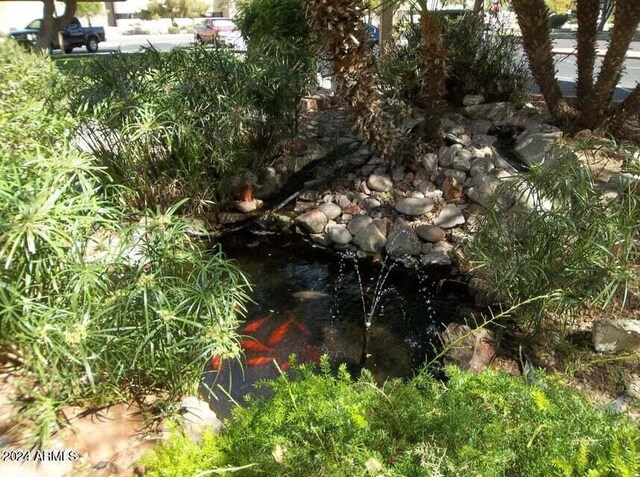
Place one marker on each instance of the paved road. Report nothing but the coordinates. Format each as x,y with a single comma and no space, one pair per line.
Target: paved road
567,68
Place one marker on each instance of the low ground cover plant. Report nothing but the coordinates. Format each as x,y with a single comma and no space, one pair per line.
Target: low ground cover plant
96,304
488,424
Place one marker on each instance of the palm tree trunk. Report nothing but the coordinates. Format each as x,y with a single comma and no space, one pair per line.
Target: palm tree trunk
627,18
629,107
587,14
345,41
532,17
434,75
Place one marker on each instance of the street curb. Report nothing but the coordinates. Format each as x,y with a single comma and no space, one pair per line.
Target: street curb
631,55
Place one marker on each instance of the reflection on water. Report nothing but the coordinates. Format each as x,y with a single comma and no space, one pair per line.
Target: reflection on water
308,302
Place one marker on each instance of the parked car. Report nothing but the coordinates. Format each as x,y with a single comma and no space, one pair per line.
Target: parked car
374,34
74,35
216,28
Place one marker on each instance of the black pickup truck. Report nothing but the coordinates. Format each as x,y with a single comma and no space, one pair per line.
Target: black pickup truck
73,36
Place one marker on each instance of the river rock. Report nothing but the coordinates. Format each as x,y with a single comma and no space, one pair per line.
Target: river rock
449,217
460,176
469,349
484,192
461,162
455,129
370,239
430,162
320,239
357,223
616,335
625,180
534,146
447,154
435,258
198,418
339,234
227,218
483,140
492,111
426,187
443,246
332,211
463,139
313,221
383,225
451,189
478,126
379,183
413,206
402,240
483,151
481,166
342,201
472,100
430,233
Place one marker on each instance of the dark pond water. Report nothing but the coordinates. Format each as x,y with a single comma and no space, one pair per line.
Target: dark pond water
310,302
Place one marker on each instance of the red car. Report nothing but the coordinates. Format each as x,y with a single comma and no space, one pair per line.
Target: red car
212,28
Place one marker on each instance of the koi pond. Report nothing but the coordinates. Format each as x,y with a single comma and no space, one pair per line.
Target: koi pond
309,302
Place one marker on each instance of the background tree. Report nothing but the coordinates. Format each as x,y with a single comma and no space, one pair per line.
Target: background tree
174,9
88,10
51,24
607,7
559,6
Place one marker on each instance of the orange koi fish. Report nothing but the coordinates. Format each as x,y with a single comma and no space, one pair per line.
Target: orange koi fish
216,363
259,361
255,325
280,332
253,345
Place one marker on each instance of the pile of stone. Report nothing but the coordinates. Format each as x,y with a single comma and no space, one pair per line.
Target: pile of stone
423,209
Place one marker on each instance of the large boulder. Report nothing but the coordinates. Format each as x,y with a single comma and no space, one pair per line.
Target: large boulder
535,145
616,335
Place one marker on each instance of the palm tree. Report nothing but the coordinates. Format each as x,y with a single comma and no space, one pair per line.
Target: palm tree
345,42
594,106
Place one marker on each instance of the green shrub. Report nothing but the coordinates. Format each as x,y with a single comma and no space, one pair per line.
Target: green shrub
570,242
173,30
96,307
556,21
488,424
178,124
478,62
